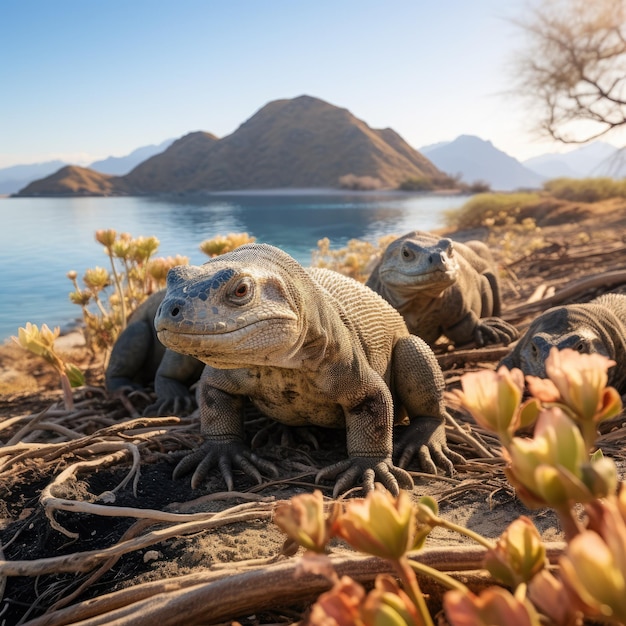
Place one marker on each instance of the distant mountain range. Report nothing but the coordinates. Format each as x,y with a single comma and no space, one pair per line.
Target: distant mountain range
14,178
595,159
118,166
477,160
303,143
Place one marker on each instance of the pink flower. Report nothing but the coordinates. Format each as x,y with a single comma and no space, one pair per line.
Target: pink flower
380,524
493,606
493,398
518,555
581,380
303,520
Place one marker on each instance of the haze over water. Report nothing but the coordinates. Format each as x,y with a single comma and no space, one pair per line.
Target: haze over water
43,238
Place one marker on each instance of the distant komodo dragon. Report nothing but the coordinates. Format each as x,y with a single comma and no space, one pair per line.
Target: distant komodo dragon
306,347
442,287
139,359
598,326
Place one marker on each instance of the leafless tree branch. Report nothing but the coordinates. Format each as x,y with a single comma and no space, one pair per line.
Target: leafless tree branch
573,68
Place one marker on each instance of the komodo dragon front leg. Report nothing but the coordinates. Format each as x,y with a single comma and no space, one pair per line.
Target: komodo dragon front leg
221,423
369,421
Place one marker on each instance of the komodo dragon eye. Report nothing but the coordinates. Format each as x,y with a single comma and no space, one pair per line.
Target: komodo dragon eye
242,290
406,253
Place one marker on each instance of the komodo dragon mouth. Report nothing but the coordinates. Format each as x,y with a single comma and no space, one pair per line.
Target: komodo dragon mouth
222,330
394,276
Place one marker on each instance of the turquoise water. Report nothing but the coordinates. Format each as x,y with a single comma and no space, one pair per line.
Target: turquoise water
41,239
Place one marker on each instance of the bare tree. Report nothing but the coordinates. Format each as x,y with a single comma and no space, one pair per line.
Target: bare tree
574,67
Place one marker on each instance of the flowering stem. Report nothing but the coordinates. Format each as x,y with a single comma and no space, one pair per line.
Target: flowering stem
412,588
439,521
570,524
118,286
443,579
68,398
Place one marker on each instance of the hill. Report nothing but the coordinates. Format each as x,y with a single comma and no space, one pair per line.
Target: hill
478,160
302,142
72,180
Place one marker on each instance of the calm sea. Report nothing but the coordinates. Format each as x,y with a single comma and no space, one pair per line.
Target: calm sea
41,239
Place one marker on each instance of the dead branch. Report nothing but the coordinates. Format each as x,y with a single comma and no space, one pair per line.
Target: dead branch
212,597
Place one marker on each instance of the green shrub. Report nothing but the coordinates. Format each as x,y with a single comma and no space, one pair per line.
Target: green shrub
491,209
586,189
417,184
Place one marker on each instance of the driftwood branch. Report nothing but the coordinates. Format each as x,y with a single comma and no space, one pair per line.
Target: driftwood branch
211,597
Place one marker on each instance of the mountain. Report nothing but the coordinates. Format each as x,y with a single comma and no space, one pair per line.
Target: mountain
14,178
478,160
119,166
595,159
73,180
302,142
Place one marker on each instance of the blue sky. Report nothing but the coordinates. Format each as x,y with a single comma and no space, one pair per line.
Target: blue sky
84,79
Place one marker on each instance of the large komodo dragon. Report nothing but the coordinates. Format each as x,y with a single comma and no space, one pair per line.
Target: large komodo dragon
307,347
598,326
139,359
442,287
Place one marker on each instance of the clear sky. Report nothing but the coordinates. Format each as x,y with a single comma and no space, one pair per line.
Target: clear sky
81,80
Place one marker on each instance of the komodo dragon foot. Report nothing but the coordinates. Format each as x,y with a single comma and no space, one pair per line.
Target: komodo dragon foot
425,438
494,330
369,469
224,456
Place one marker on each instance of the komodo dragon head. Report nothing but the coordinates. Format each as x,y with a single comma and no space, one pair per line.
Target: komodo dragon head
415,263
571,326
237,309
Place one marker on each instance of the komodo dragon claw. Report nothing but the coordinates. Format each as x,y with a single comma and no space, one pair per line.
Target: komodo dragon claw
224,456
349,471
426,439
179,405
494,330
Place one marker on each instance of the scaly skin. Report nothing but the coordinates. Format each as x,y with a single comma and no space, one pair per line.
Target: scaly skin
139,359
441,287
306,347
598,326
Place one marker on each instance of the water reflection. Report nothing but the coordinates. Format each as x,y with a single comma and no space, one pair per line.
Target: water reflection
42,238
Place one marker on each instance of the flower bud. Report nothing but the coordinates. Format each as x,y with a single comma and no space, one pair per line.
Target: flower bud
106,237
518,554
304,521
493,398
380,524
340,606
595,573
493,606
388,605
97,278
553,467
581,380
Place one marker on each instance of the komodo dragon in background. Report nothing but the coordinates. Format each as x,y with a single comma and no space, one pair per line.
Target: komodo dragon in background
598,326
139,359
306,347
442,287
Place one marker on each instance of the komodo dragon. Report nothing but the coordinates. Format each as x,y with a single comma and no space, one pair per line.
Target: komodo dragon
306,347
598,326
442,287
139,359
